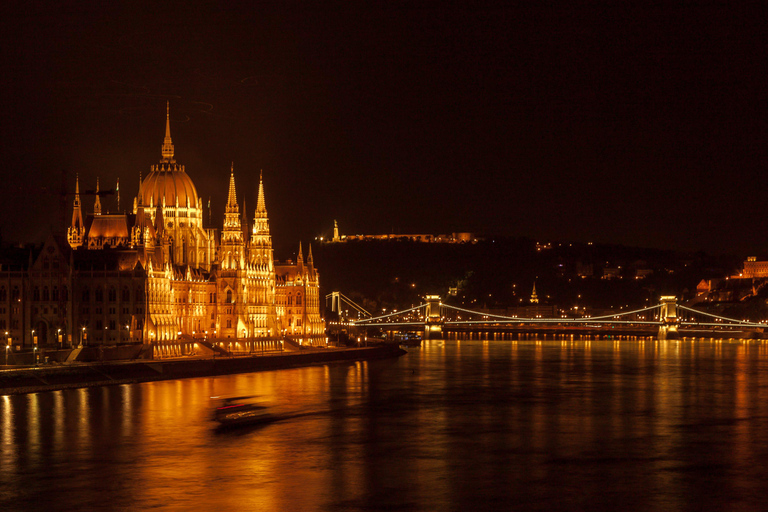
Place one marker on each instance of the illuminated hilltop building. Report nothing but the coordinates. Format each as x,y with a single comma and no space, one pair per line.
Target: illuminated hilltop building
158,275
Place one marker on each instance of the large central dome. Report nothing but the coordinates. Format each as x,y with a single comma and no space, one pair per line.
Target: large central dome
168,184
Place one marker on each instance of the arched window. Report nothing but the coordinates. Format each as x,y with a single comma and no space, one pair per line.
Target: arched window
112,294
3,294
229,296
290,300
36,294
86,294
298,299
55,293
139,294
99,295
15,294
126,294
46,294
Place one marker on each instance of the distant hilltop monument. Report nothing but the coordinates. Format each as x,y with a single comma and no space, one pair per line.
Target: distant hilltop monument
453,238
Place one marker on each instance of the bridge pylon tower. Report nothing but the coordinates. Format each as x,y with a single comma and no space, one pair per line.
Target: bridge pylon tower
669,319
433,318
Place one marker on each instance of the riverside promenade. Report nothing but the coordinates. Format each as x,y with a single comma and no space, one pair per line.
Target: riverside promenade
34,379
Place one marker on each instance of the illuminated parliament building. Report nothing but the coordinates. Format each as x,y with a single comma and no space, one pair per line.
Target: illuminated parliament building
157,275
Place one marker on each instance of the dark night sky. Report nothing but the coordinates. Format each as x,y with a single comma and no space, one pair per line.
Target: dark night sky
643,126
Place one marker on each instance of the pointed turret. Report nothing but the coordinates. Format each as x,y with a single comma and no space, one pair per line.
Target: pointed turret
261,205
311,264
260,249
97,203
77,228
167,148
232,196
300,261
232,244
260,232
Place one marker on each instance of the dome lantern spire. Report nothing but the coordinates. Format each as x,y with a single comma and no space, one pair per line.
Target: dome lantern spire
167,142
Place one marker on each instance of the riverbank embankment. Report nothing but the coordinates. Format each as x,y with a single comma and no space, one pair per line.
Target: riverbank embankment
51,378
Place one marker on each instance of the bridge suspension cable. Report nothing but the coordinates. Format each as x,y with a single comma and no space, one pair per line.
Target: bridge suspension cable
562,320
349,301
741,323
367,320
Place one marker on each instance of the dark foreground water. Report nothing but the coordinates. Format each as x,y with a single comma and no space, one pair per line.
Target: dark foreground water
454,425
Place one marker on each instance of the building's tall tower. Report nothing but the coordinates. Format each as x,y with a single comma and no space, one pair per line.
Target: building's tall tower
169,186
76,230
97,203
232,243
262,309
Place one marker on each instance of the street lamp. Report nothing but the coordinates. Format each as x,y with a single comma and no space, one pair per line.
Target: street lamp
6,354
35,352
58,337
82,337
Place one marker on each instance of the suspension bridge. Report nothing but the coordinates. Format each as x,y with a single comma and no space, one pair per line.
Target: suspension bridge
668,320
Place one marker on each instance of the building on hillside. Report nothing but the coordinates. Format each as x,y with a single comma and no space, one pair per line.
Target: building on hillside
158,276
754,269
453,238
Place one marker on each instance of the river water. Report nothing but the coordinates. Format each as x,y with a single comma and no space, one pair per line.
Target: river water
453,425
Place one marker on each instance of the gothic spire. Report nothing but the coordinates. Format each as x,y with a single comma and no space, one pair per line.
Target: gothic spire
97,204
167,143
77,190
309,256
300,257
261,206
232,197
138,196
77,216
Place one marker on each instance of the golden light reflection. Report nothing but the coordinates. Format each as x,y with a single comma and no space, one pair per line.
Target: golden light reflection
83,415
59,414
33,423
126,392
8,449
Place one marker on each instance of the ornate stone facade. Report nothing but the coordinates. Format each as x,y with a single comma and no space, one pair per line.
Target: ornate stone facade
158,276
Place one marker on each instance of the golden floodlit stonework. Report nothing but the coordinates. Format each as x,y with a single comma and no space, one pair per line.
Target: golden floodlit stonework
157,275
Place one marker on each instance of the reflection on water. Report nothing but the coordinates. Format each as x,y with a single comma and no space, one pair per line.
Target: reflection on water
453,425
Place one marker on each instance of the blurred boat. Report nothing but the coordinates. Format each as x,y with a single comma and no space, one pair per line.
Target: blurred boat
237,411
